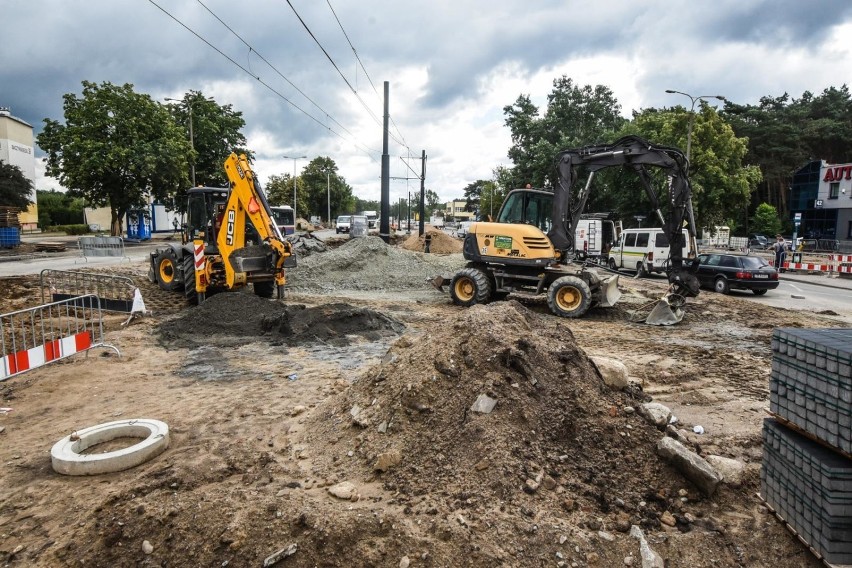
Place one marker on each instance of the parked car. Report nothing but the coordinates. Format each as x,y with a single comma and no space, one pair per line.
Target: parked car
726,272
758,242
344,222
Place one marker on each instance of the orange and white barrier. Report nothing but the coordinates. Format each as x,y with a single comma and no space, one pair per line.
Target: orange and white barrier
38,336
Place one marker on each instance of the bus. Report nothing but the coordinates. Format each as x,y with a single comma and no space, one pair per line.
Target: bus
284,218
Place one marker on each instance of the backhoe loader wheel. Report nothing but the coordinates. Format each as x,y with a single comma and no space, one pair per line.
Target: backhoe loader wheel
166,270
470,286
264,289
569,297
189,279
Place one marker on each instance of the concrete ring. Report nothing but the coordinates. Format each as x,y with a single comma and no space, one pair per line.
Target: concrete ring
67,459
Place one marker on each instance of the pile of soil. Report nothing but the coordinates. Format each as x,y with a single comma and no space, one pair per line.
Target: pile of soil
369,264
224,316
558,443
441,242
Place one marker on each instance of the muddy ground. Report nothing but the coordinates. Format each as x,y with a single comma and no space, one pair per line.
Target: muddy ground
366,375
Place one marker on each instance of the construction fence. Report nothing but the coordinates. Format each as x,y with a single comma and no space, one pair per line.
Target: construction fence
44,334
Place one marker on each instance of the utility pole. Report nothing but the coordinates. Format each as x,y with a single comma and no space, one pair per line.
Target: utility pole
422,193
295,217
328,182
384,225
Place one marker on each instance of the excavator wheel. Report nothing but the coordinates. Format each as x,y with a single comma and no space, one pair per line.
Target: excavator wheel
189,279
166,270
264,289
569,297
470,286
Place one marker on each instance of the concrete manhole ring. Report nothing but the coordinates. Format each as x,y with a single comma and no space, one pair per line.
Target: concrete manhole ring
66,454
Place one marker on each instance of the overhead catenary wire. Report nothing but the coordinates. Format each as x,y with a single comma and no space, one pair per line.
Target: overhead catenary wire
361,63
370,153
339,72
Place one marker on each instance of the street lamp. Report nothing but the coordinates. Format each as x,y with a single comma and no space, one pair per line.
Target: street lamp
692,117
189,103
294,158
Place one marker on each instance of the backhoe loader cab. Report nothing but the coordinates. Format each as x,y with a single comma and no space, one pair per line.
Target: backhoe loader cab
530,249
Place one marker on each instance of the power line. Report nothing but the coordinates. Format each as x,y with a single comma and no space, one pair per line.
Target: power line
252,49
339,23
265,84
339,72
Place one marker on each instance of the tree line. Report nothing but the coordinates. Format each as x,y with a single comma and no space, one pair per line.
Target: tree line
118,148
741,157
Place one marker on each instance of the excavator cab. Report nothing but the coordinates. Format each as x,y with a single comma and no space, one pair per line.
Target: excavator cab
528,206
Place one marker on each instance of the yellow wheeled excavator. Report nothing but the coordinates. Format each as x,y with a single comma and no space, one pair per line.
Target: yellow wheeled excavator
229,240
529,248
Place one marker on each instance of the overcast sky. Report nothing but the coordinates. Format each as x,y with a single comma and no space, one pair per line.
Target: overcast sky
452,66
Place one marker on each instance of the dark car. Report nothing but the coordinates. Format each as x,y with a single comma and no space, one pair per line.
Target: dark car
726,272
758,242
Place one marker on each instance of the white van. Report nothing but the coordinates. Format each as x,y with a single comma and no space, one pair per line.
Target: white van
593,239
645,250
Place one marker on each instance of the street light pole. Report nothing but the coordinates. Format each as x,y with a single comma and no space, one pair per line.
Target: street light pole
189,103
692,117
294,158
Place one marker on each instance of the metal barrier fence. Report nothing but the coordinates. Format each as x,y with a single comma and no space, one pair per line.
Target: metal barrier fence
38,336
114,292
101,246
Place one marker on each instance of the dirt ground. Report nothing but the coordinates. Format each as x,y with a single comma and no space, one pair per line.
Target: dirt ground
369,379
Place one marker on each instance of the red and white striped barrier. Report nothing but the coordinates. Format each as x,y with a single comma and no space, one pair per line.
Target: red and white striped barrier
39,336
21,361
808,266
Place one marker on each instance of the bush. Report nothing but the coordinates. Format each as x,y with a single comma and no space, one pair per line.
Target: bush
72,229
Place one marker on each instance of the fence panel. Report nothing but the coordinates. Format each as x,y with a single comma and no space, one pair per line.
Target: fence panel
115,292
101,246
41,335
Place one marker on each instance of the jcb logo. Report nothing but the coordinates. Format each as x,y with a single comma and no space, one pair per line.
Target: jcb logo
240,171
229,231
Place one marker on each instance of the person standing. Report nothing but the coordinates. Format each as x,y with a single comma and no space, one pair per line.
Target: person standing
780,248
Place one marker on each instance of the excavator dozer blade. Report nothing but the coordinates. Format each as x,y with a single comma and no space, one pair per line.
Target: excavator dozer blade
610,294
439,282
664,314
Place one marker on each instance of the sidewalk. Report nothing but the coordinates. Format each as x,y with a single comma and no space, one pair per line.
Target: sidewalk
820,279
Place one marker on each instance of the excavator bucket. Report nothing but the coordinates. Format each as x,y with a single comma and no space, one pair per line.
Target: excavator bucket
667,311
610,294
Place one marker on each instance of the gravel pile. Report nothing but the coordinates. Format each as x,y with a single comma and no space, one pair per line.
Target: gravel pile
370,264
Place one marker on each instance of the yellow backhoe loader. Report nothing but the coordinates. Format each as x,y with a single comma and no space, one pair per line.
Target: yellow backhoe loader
230,240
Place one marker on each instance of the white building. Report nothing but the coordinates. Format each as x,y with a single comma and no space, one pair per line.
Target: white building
16,148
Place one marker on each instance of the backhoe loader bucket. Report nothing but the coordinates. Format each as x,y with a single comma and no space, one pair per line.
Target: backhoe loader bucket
610,294
667,311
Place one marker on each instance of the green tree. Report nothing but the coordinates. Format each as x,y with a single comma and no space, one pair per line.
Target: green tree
15,187
59,208
575,116
765,220
721,183
115,148
785,133
473,194
216,132
322,181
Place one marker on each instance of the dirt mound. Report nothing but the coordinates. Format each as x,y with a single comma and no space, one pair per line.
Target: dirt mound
441,242
224,316
369,264
557,438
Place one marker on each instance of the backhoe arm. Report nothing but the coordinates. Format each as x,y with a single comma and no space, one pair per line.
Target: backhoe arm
247,201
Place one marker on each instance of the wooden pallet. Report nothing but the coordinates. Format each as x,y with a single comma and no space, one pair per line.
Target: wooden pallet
48,246
798,536
787,424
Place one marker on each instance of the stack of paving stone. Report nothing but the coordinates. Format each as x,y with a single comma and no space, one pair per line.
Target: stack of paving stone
807,454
